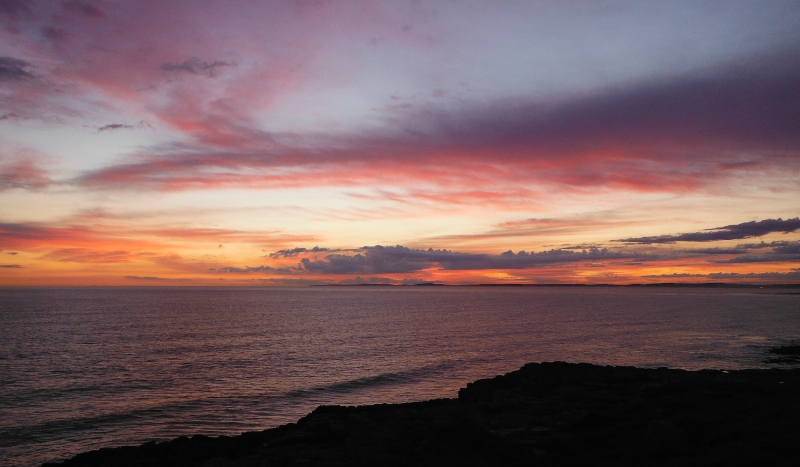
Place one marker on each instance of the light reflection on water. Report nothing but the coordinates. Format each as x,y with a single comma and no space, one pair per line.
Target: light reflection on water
84,368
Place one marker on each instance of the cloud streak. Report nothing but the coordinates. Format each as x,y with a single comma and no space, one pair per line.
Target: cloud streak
37,237
293,252
254,269
88,255
122,126
195,66
728,232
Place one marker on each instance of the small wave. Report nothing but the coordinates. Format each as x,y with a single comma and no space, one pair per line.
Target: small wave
29,397
383,379
55,429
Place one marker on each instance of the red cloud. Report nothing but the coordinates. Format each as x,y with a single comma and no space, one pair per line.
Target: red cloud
29,236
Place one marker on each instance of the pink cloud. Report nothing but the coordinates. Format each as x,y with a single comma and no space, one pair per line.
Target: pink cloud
181,59
668,135
22,171
185,69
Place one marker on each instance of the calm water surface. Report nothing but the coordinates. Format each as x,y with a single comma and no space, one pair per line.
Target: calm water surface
84,368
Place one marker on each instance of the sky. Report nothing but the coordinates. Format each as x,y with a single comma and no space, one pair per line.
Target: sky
399,142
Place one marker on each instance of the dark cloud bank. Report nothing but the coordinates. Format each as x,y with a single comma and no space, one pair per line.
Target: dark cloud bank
399,259
380,259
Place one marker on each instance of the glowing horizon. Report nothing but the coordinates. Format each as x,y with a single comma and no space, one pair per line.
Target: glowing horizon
301,143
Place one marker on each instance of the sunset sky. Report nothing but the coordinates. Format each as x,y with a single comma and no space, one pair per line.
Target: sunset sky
310,142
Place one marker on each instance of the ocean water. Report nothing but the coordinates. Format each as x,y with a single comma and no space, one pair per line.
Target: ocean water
85,368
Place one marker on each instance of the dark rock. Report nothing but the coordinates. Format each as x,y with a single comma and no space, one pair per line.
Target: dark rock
789,355
786,350
543,414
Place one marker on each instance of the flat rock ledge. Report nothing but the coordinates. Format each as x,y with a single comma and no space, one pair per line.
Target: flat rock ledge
558,414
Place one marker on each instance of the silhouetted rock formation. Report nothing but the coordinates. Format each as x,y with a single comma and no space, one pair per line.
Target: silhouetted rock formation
543,414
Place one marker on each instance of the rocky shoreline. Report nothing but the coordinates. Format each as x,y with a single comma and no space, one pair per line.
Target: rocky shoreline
542,414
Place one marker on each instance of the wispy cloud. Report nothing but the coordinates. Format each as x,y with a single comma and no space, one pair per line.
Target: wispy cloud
38,236
114,126
87,255
30,236
538,228
122,126
195,66
293,252
159,279
728,232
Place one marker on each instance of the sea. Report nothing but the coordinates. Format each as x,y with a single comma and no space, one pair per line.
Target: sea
87,368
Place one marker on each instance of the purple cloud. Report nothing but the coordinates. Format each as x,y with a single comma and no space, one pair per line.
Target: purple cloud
794,275
195,66
14,69
728,232
399,259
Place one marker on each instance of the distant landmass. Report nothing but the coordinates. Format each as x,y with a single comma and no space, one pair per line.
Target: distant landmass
549,414
661,284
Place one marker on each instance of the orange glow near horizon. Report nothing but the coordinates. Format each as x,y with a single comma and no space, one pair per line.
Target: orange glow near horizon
415,143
